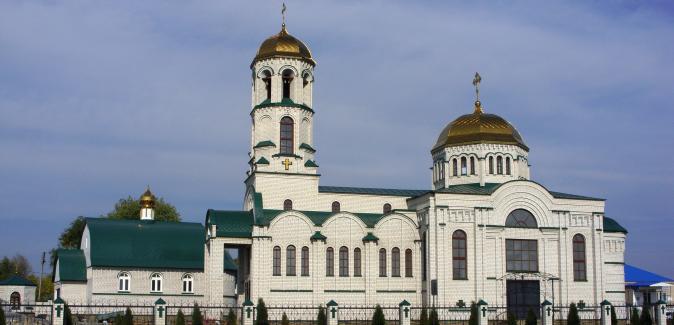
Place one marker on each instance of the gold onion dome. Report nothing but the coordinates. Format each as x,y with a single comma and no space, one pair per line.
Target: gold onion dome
283,45
147,199
479,127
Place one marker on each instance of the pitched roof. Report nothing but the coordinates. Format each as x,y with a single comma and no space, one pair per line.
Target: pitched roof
319,217
611,225
369,190
146,243
237,224
72,265
17,280
637,277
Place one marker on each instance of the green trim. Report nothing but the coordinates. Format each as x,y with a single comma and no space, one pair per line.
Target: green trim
160,302
611,225
616,263
318,236
404,303
266,143
262,161
370,237
344,291
307,147
370,191
59,301
615,291
331,303
546,303
159,294
396,291
285,102
17,280
491,278
548,228
291,290
310,163
261,237
279,173
442,224
291,155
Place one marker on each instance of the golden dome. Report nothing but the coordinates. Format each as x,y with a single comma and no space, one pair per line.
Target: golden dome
479,127
283,45
147,199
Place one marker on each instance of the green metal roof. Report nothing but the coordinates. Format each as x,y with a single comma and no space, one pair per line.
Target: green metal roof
262,161
146,243
238,224
307,147
310,163
17,280
611,225
319,217
229,264
72,265
285,102
318,236
371,191
266,143
370,237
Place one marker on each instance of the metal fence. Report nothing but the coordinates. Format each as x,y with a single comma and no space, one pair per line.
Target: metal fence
27,314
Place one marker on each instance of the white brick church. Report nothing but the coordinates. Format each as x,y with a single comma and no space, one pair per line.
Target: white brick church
484,230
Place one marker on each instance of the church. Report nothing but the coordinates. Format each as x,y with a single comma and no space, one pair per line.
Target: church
483,231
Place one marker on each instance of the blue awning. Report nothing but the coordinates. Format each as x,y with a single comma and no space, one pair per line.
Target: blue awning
636,277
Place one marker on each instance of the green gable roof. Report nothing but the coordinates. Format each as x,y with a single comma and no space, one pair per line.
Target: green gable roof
229,264
262,161
307,147
146,243
237,224
370,237
17,280
319,217
318,236
310,163
611,225
371,191
285,102
265,143
72,265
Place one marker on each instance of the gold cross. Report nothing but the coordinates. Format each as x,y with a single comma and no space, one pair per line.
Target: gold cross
287,163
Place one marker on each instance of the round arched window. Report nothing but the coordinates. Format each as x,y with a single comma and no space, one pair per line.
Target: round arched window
521,218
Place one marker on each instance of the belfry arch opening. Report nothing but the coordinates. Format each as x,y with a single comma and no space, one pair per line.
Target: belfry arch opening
266,79
288,76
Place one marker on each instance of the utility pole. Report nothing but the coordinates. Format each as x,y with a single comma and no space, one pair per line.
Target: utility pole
39,286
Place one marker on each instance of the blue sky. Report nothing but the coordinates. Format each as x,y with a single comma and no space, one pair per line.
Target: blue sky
99,99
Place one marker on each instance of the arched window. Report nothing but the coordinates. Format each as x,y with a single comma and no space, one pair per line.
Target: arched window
266,78
464,166
287,205
455,167
472,166
521,218
287,135
330,262
491,165
507,165
499,165
459,256
288,76
15,300
124,281
277,261
188,283
335,207
387,208
155,282
356,262
408,263
395,262
579,264
290,261
343,261
382,262
305,261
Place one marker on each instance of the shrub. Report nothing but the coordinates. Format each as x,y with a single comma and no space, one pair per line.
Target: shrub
321,319
433,319
231,318
614,317
197,319
512,320
2,317
423,319
119,319
284,319
646,317
128,317
531,317
262,316
67,315
634,317
473,314
378,316
180,318
572,318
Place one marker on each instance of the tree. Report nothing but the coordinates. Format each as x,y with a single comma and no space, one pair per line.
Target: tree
512,320
423,319
614,317
473,314
433,320
2,317
634,317
231,318
531,317
645,317
129,209
572,318
378,316
284,319
321,319
128,317
67,315
197,319
47,287
262,317
17,265
180,318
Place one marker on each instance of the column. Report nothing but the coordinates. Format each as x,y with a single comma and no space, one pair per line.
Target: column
160,312
333,313
606,312
482,318
247,311
404,312
661,312
58,311
546,313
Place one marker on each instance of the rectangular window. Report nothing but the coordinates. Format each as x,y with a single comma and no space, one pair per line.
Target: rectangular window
277,261
521,255
382,262
330,262
356,262
305,261
290,261
343,262
408,263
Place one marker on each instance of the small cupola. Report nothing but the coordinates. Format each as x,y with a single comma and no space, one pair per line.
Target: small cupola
147,202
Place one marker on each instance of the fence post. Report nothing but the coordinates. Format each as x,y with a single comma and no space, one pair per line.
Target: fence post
160,312
546,312
605,312
405,312
333,312
661,311
482,307
247,313
58,311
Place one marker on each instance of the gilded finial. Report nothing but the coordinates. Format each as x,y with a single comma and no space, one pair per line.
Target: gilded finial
476,82
283,15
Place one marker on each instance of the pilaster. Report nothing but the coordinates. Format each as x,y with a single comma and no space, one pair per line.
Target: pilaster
482,312
546,313
160,312
404,312
58,312
333,312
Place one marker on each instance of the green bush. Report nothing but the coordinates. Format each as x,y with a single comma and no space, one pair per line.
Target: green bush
197,319
531,317
231,317
284,319
423,319
2,317
321,319
180,318
128,317
378,316
614,317
646,317
572,318
512,320
262,316
119,319
473,314
433,319
634,317
67,315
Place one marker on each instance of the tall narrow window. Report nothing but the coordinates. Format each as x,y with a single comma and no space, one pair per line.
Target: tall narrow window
335,207
408,263
356,262
15,300
287,205
491,165
287,135
455,167
277,261
423,257
472,166
266,78
387,208
330,262
382,262
305,261
124,280
395,262
156,282
464,166
579,264
288,76
188,283
459,269
507,165
499,165
290,261
343,261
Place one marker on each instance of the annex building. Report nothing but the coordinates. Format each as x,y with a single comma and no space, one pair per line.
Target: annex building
484,230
